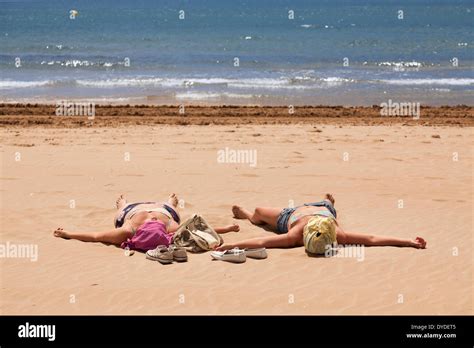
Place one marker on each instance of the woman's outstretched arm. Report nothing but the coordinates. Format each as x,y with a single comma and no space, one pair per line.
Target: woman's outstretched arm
115,236
376,240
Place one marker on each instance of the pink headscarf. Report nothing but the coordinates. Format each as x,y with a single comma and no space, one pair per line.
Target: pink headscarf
149,236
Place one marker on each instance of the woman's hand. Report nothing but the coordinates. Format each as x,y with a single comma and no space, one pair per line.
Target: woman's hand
60,233
224,247
418,243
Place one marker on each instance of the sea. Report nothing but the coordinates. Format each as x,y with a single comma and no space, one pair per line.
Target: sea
242,52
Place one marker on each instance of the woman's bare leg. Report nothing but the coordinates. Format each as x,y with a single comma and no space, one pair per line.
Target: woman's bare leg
260,216
115,236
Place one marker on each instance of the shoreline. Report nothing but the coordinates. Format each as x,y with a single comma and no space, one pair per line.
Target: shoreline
44,115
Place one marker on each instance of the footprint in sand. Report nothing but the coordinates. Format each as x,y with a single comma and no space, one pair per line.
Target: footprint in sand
246,191
249,175
97,214
24,145
310,175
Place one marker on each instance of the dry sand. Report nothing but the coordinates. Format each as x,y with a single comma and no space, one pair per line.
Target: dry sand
387,162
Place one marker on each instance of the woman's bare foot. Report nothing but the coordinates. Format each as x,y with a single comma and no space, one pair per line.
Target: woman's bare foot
60,233
120,202
418,243
240,212
330,198
173,200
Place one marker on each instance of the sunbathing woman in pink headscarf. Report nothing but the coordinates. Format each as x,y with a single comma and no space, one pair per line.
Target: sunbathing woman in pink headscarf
141,226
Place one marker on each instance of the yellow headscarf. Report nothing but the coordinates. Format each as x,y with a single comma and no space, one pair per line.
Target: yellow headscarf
319,232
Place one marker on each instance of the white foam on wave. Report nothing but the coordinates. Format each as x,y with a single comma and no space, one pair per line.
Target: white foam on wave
122,82
336,81
74,63
412,64
53,100
151,82
442,82
402,66
264,83
210,96
8,84
295,82
191,82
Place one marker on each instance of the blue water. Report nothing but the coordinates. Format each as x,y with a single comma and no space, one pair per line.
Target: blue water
281,60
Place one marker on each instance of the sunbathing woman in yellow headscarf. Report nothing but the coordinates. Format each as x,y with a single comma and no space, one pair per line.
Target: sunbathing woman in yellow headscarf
313,225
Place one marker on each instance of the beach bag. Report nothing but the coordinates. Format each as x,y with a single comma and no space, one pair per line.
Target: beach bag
196,235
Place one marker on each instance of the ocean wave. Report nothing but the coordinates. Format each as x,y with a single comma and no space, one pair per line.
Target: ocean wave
308,26
295,82
152,82
59,47
412,64
121,82
265,83
8,84
441,82
335,81
74,63
402,66
61,83
210,96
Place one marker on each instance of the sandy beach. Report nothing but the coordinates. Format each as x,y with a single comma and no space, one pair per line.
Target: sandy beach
389,175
